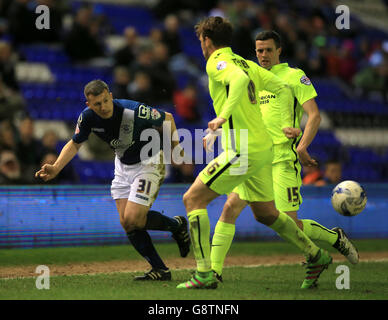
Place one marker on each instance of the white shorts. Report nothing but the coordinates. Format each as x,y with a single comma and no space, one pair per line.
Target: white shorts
139,183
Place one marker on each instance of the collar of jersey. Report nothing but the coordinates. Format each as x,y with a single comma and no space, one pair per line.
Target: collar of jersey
220,50
279,65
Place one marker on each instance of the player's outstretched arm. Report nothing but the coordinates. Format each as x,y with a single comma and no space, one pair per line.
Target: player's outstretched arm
310,130
50,171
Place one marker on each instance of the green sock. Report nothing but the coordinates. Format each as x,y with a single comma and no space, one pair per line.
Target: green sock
222,240
288,230
200,238
315,231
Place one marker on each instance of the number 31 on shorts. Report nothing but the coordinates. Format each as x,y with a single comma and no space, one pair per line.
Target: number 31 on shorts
144,186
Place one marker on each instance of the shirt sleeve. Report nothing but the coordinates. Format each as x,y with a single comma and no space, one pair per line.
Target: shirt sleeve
149,116
284,99
234,78
82,129
303,88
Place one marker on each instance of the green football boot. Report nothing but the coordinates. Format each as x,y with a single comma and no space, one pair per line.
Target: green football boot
197,282
315,267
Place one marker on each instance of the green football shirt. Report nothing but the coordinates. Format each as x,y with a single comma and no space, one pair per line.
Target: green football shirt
274,113
233,86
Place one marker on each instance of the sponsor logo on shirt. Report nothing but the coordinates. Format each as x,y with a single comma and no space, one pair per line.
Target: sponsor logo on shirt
305,80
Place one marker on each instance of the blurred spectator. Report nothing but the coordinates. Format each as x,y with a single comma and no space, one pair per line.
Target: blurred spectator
288,35
21,21
67,175
185,102
50,141
347,63
163,80
29,149
82,42
126,55
332,173
8,135
7,66
141,89
242,41
156,35
121,82
143,60
170,35
373,78
10,170
12,103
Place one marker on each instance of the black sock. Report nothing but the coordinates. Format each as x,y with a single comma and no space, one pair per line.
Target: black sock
142,242
158,221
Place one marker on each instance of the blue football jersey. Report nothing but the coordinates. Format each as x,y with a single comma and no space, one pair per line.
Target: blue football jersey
122,131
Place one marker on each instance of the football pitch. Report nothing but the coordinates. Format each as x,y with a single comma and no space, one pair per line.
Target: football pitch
255,270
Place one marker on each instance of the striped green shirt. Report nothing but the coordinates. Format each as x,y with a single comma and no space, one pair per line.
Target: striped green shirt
233,85
277,116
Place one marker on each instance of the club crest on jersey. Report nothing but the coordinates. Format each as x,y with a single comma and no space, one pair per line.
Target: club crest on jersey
221,65
155,114
144,112
305,80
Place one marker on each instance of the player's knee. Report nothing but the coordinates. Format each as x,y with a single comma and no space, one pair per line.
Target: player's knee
230,211
189,200
133,221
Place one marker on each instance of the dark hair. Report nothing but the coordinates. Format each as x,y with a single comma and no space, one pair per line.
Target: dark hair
270,34
218,29
95,88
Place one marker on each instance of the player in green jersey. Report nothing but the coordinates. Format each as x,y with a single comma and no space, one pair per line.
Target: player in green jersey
289,147
246,162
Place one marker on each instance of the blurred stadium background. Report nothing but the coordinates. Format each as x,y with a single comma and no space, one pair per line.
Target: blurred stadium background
147,51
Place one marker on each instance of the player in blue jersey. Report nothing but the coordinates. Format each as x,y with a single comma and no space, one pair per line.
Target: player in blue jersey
137,176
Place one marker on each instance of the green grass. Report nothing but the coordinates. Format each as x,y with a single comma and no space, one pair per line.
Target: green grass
259,283
368,280
20,257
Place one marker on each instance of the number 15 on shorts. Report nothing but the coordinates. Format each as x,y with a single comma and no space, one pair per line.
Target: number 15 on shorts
293,194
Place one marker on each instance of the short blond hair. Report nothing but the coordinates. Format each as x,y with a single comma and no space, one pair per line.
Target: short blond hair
95,88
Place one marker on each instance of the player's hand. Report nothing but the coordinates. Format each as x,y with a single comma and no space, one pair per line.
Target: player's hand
210,138
216,123
291,133
47,172
305,158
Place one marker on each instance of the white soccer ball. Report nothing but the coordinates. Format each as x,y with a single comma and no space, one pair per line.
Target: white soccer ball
348,198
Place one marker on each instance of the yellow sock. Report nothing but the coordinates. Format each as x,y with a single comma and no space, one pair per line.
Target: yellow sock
315,231
288,230
222,240
200,238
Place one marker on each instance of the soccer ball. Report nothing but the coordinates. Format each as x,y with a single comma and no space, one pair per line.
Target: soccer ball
348,198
